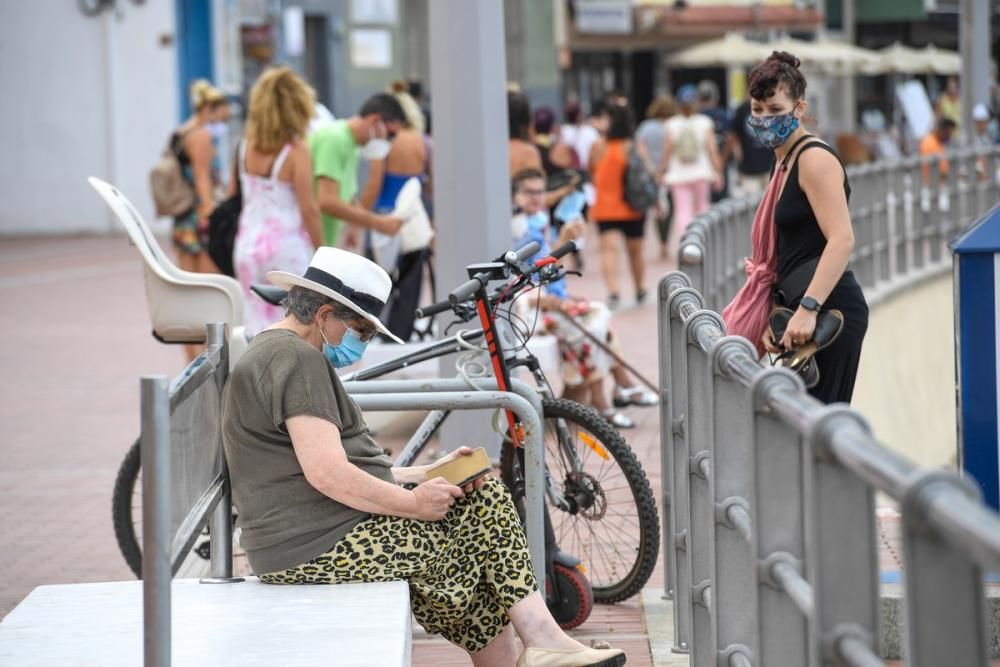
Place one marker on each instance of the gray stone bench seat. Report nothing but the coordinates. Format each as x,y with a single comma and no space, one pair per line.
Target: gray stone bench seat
246,623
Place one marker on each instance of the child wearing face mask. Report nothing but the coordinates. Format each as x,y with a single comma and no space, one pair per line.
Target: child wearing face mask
585,366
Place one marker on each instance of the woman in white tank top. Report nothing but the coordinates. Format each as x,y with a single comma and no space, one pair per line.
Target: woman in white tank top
279,225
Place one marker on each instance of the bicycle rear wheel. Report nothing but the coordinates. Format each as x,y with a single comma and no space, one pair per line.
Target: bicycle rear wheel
126,515
610,521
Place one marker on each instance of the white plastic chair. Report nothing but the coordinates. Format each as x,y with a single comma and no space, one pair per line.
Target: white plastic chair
180,302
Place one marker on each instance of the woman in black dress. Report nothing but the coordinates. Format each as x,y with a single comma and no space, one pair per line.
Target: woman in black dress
812,222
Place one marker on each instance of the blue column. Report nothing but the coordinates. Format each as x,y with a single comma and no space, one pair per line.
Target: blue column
977,292
194,47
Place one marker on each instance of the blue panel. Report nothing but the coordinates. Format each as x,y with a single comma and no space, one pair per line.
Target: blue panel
977,341
194,47
983,236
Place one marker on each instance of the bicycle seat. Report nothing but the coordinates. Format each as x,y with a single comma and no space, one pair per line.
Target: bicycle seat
270,293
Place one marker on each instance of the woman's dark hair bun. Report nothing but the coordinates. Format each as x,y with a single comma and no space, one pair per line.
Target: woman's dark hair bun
780,68
785,57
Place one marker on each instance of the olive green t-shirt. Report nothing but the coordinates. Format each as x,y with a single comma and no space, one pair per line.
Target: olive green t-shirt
286,521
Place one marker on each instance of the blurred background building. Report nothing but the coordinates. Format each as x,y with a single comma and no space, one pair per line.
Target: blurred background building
94,87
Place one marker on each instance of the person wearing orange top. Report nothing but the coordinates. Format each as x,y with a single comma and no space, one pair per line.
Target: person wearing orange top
934,144
615,219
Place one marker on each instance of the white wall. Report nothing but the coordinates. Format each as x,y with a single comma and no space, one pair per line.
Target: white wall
81,96
906,383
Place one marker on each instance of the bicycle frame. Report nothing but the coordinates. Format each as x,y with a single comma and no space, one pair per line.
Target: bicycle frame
502,364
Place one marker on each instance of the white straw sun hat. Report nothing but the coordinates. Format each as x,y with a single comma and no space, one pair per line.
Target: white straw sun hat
346,277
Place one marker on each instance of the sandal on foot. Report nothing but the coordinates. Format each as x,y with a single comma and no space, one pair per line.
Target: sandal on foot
617,419
625,396
614,301
640,296
599,655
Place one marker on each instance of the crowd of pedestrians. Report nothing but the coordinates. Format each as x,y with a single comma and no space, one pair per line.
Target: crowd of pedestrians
303,180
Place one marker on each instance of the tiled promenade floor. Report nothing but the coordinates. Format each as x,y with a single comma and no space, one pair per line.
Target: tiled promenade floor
74,339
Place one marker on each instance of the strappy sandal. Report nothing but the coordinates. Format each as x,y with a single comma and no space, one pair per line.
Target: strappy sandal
829,324
626,396
617,419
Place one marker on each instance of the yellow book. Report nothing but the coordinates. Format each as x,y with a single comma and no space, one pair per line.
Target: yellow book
464,469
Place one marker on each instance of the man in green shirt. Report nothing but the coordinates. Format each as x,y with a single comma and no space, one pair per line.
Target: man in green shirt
335,151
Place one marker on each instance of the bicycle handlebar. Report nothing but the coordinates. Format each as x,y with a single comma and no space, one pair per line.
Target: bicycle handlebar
468,289
563,250
433,309
521,254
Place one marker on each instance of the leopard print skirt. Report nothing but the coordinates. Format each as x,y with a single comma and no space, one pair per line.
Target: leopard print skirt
464,571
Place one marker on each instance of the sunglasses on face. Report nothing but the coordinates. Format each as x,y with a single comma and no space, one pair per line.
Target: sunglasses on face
533,193
365,331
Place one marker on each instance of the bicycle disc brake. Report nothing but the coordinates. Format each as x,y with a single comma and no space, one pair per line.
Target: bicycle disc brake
587,495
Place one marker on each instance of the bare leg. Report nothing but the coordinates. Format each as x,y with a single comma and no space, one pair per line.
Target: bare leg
576,393
501,652
610,245
621,376
536,627
636,261
205,263
598,399
189,263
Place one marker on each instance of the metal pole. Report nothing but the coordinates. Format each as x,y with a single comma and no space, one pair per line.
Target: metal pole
221,522
156,538
472,206
974,38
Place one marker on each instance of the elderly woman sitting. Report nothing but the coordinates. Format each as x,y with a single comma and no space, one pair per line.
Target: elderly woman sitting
320,503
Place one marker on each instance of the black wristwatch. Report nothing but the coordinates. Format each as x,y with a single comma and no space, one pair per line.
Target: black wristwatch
810,303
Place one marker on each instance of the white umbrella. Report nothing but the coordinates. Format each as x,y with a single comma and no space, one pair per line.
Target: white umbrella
733,50
828,56
900,59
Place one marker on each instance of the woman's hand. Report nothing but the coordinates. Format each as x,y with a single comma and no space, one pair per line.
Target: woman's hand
434,498
571,231
464,451
767,340
800,329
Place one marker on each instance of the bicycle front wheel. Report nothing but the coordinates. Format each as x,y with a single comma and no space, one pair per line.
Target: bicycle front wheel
607,516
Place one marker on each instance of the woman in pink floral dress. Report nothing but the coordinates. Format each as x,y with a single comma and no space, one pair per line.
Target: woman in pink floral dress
279,225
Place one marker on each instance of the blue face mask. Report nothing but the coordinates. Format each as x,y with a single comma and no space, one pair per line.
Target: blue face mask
350,349
772,131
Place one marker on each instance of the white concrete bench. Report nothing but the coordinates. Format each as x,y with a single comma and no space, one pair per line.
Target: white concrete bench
246,623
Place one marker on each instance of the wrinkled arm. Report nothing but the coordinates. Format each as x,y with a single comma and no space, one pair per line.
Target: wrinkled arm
321,454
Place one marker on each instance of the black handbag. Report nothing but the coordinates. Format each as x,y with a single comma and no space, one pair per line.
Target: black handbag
223,224
790,291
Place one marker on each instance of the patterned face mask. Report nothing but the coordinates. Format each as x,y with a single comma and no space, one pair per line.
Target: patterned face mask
772,131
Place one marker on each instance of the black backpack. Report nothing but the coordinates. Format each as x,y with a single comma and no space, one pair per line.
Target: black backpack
640,185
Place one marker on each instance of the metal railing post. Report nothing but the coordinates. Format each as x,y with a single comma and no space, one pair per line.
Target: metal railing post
156,531
779,522
944,586
735,575
689,301
667,285
843,554
701,529
221,522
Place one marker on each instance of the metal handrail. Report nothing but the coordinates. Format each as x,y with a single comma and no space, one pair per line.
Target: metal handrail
770,528
903,220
